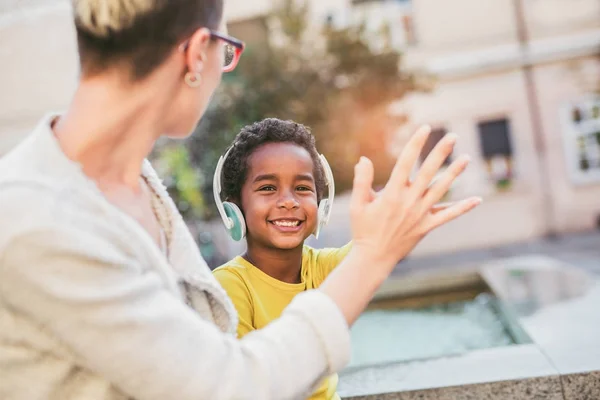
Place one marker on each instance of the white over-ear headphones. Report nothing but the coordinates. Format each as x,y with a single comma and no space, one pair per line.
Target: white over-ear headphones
234,219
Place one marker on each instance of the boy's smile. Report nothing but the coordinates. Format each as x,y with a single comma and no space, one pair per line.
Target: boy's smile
279,198
287,224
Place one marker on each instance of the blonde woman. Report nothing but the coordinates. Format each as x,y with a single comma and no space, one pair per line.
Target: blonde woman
103,293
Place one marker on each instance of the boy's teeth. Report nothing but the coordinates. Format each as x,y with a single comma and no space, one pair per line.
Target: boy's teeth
286,223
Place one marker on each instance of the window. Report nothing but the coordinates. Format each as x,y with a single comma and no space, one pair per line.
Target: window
581,133
434,137
494,137
329,21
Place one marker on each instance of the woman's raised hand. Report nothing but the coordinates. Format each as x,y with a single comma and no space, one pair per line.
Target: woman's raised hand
386,226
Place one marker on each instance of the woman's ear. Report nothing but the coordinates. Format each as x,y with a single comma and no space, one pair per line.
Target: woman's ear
196,50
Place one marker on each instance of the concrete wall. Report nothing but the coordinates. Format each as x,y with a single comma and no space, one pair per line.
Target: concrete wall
448,25
547,18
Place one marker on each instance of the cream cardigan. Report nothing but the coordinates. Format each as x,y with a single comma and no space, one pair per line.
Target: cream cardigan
90,308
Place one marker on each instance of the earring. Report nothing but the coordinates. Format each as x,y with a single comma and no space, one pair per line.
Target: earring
193,80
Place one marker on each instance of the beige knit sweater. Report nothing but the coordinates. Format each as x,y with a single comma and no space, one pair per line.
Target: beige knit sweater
90,308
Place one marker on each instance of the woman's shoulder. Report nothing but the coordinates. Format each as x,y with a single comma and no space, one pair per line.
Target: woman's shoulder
38,171
33,202
30,208
42,189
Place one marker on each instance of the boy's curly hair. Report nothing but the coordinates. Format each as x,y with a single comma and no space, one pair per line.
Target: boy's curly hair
251,137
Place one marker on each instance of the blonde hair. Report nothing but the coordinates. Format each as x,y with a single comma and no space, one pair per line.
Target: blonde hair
100,17
137,34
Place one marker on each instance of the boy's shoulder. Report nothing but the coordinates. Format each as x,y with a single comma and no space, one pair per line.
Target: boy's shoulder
326,252
312,253
233,274
234,266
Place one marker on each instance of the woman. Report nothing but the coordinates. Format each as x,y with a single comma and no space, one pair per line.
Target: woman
103,293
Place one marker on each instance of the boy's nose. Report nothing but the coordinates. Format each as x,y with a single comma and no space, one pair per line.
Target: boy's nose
288,201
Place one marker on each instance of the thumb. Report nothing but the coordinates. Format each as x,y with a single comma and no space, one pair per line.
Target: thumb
362,186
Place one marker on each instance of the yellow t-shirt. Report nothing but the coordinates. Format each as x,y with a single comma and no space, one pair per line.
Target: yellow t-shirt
260,298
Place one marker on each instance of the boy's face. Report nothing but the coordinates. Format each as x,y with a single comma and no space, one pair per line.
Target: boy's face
279,197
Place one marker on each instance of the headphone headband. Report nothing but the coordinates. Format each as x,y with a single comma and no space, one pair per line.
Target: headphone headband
217,190
330,182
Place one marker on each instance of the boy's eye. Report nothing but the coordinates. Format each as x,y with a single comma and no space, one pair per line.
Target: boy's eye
267,188
304,188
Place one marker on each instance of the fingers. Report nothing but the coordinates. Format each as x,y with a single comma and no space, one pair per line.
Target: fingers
440,207
449,213
374,195
406,161
441,186
433,163
362,188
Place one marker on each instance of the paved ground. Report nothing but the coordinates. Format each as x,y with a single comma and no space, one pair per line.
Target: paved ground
581,249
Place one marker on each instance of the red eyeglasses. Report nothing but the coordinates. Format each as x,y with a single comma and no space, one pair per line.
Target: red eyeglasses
233,49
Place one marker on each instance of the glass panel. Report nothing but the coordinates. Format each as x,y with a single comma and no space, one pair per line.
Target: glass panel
229,54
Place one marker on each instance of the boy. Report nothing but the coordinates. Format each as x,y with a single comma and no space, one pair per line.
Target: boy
274,175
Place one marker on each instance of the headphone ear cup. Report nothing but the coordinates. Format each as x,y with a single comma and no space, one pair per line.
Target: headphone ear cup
238,230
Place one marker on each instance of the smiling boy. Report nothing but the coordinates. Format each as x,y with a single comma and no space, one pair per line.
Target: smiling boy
273,173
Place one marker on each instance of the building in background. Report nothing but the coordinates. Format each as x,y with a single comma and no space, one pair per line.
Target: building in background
509,74
516,79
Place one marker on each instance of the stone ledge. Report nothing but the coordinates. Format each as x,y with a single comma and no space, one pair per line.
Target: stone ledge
541,388
583,386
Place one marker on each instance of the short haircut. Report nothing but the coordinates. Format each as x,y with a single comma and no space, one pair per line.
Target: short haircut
251,137
139,34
